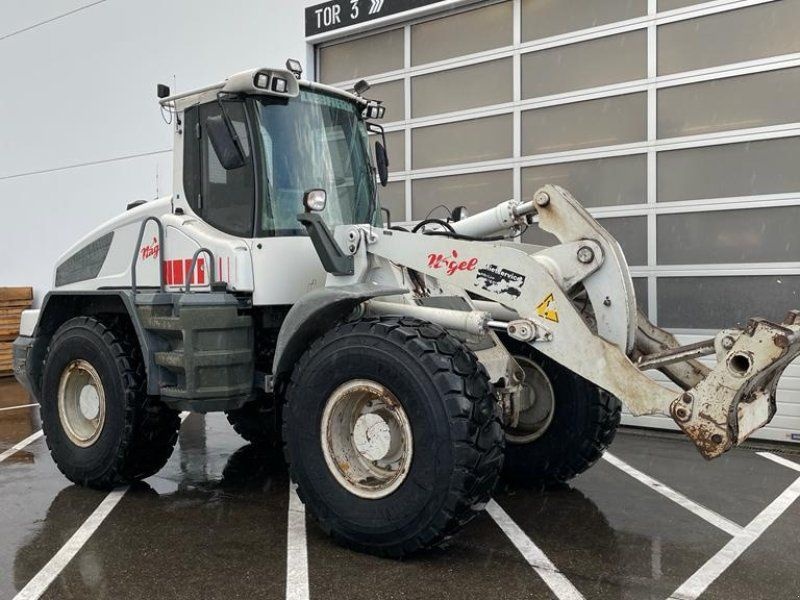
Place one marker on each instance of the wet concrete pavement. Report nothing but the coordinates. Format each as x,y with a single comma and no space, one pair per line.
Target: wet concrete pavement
213,524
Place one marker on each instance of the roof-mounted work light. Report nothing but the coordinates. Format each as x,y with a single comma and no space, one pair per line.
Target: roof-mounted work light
295,67
279,85
261,81
374,110
272,81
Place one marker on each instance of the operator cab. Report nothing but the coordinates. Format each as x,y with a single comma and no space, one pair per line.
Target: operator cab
248,149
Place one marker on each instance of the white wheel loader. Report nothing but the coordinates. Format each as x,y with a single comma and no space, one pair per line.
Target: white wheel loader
403,370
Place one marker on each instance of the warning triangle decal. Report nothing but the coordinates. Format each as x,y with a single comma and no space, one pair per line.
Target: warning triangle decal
547,309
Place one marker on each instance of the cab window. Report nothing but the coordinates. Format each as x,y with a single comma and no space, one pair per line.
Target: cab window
223,199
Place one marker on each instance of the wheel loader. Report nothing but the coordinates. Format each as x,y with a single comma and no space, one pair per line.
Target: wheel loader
403,370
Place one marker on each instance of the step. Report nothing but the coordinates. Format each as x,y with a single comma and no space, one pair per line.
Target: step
207,392
162,323
176,359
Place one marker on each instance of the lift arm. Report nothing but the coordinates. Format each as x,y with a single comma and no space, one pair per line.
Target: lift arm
602,338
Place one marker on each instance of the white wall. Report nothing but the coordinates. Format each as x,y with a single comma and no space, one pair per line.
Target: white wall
81,134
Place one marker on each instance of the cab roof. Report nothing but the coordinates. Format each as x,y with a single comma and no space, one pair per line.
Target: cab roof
262,81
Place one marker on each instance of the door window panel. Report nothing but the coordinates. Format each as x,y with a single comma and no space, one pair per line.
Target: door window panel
475,140
227,198
546,18
476,191
602,122
759,31
729,236
603,61
612,181
463,33
724,301
741,102
483,84
361,57
729,170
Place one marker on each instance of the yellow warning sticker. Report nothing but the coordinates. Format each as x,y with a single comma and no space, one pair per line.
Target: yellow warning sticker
547,309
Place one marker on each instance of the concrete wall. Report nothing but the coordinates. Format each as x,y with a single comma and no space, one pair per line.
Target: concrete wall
81,134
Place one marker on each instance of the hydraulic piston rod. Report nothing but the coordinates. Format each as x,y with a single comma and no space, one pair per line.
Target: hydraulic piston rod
495,220
473,321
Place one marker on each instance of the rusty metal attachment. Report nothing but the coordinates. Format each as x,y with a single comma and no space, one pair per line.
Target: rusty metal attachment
737,396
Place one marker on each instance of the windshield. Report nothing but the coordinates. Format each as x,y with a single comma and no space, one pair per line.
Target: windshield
315,140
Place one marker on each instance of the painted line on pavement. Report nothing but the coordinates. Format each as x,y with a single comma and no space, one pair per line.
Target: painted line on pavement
19,406
296,548
717,564
20,445
555,579
780,460
42,580
701,511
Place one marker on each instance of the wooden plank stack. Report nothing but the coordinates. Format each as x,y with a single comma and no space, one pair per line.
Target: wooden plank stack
13,300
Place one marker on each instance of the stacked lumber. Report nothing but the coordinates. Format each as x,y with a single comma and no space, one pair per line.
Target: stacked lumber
13,300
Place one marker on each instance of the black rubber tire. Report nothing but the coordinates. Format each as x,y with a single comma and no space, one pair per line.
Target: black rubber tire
257,421
139,433
458,438
584,424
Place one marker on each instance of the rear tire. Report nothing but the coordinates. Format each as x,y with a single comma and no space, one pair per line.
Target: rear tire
583,424
100,425
257,421
445,436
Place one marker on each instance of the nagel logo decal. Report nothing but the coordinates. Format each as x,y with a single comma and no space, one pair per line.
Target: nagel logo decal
150,250
451,263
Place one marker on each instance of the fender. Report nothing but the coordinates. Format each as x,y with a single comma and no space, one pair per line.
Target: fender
314,314
57,308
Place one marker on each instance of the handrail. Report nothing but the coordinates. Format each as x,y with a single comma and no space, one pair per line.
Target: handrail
137,249
190,274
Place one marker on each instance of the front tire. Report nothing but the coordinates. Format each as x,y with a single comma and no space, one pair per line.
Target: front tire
391,434
100,425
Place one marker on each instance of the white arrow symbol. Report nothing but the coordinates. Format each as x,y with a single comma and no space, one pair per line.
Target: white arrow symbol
375,6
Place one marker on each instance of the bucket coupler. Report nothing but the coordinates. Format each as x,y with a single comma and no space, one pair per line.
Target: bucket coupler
724,405
574,302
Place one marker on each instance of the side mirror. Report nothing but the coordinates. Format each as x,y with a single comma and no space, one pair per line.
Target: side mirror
225,145
382,162
315,200
361,86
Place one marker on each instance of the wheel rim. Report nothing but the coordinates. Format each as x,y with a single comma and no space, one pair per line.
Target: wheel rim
366,438
537,404
81,403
